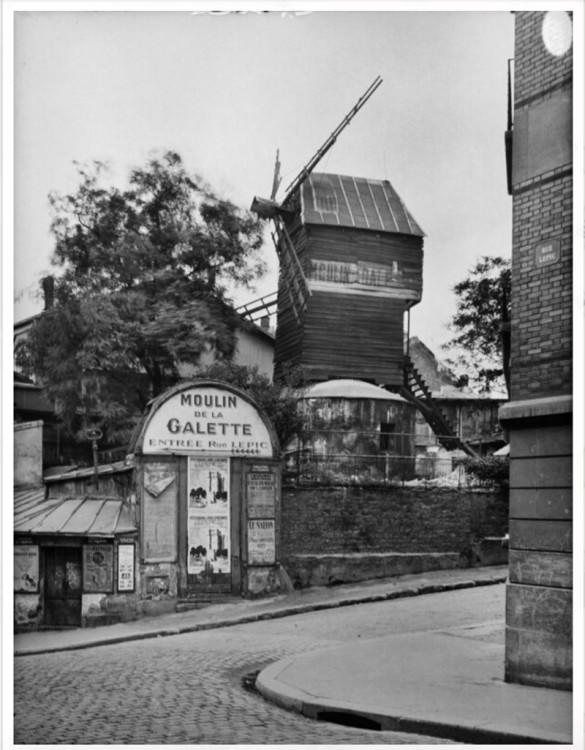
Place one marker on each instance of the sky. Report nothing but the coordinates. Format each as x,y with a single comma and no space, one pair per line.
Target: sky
227,90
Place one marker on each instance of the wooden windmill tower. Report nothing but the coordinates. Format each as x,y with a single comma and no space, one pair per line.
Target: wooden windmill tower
350,256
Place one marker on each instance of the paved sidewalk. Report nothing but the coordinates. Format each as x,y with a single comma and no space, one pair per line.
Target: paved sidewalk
441,684
445,684
244,610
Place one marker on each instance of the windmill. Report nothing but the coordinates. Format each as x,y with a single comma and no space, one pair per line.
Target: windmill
350,256
293,276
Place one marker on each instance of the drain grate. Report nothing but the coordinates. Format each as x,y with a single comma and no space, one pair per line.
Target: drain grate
249,681
357,721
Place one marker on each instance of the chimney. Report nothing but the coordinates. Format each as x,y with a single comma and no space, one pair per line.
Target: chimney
48,284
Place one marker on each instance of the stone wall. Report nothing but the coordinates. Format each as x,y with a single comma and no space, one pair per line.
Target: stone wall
369,522
539,592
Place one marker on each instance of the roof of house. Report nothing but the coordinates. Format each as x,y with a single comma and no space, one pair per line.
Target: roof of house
67,473
357,202
348,388
70,516
27,499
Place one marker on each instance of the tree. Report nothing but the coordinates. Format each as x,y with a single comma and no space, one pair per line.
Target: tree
482,323
278,400
142,287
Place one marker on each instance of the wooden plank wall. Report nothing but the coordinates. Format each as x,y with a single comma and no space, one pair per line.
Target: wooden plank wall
360,337
345,334
348,245
289,331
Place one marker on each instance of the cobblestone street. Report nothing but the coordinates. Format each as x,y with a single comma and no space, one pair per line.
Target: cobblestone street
189,688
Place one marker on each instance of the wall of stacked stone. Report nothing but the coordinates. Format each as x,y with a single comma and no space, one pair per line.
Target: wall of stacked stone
350,520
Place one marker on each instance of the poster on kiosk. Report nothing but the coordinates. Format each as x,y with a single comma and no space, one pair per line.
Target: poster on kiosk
208,521
210,468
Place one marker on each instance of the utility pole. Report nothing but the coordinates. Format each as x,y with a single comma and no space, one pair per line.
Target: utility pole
94,434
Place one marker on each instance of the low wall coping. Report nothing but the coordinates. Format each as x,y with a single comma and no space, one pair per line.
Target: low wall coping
357,555
535,408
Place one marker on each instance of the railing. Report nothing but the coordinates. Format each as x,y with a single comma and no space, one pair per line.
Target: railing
348,457
303,467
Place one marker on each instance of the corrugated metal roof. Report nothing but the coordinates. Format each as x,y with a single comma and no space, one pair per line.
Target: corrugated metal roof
68,472
78,516
358,202
30,502
348,388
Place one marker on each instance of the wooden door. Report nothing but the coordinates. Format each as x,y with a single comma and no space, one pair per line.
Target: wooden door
63,584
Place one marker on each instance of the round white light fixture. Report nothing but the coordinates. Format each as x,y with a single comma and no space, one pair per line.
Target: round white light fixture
557,32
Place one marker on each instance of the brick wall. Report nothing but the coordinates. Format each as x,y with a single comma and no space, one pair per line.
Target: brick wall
538,417
542,297
536,69
370,520
542,213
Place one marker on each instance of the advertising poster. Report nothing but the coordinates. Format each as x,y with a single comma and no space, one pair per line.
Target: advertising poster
98,567
261,493
261,542
160,513
125,567
208,516
26,568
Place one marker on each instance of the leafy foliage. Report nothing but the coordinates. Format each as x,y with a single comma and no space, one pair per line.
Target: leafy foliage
278,400
142,287
490,471
481,323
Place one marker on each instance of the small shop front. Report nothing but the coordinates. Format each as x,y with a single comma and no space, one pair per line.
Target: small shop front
74,563
208,485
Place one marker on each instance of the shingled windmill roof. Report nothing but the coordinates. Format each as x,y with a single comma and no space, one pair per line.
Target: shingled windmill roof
358,202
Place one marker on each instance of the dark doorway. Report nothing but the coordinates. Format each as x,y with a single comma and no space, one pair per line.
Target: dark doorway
387,438
63,583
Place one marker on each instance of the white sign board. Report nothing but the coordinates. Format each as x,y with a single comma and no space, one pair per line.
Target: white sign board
207,419
125,567
261,494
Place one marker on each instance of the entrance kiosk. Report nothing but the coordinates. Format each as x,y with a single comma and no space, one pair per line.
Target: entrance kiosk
209,487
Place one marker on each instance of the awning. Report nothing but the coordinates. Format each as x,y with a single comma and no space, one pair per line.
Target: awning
72,516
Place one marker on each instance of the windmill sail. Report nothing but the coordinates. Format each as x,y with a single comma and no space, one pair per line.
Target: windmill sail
294,279
292,275
320,153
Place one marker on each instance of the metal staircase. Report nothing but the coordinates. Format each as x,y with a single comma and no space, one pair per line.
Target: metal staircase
417,392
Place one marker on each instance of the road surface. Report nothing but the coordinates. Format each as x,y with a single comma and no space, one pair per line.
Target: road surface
189,688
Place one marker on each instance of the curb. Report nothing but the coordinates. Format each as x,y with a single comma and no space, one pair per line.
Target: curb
295,700
299,609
